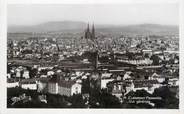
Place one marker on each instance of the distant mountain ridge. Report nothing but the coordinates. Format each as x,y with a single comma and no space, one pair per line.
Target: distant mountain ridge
69,26
49,26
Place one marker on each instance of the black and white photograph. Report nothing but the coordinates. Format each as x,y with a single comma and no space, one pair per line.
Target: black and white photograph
93,56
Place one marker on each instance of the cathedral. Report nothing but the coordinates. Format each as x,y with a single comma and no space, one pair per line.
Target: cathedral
90,34
89,40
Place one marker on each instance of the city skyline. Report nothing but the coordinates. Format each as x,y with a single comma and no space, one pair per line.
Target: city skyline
84,56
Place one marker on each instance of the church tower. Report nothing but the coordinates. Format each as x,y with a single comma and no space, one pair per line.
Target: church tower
90,34
87,33
93,32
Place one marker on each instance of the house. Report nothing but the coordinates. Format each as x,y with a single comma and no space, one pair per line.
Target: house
11,83
95,75
84,77
106,75
25,74
127,75
18,73
78,73
157,52
44,68
85,61
104,82
69,88
154,76
119,88
119,77
49,73
79,81
28,84
73,76
148,85
61,57
53,86
173,82
157,77
143,61
28,56
147,51
63,87
42,85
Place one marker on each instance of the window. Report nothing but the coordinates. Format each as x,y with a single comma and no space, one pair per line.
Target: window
76,90
119,87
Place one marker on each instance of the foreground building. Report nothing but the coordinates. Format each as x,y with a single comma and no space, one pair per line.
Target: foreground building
119,88
28,84
64,87
43,85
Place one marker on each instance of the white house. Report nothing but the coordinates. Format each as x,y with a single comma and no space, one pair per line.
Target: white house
12,84
8,75
49,73
78,73
26,74
43,68
18,74
104,82
42,85
106,75
154,76
79,81
157,77
127,75
85,61
84,77
173,81
28,84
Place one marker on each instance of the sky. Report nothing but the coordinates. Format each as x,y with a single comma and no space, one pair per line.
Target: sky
117,14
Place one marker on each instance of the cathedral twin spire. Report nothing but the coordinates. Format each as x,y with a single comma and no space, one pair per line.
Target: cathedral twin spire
90,34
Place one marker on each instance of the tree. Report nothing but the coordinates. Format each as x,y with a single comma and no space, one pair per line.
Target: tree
104,59
33,73
155,59
138,93
130,55
77,101
86,85
168,100
146,55
56,101
107,100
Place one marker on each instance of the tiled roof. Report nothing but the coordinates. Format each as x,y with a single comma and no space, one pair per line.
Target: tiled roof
53,80
145,81
67,84
28,81
12,80
44,79
62,82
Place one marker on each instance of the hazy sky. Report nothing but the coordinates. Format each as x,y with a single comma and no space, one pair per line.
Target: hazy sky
167,14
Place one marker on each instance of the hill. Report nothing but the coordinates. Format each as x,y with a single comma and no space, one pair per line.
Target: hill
76,26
